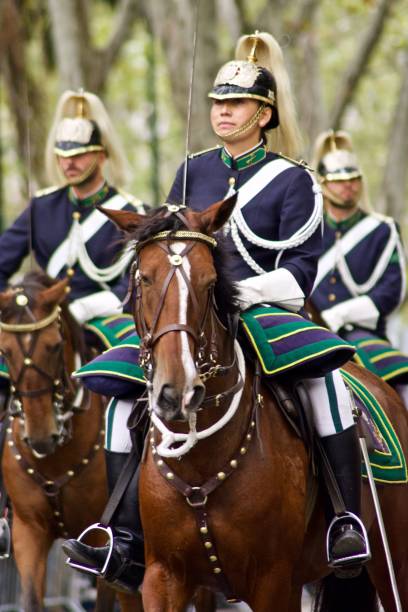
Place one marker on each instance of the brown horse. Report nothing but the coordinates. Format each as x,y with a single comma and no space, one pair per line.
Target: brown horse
223,488
53,462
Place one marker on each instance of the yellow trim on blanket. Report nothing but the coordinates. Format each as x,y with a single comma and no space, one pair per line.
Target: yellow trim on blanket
382,355
293,333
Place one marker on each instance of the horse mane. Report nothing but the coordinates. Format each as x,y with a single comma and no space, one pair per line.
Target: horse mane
225,291
32,283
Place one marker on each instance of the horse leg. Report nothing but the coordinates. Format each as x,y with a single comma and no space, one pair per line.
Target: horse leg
204,600
272,592
105,596
130,602
31,546
163,592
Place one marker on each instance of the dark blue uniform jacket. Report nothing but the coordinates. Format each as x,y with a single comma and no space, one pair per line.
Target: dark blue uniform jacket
276,213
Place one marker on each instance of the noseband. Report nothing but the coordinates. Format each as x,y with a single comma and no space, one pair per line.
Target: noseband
60,396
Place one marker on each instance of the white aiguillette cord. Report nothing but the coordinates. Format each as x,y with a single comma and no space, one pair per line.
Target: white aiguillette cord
191,438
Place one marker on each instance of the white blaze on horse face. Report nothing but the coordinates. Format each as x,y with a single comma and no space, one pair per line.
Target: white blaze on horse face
190,372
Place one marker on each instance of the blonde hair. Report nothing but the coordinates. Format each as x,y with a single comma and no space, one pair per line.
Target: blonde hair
286,137
93,109
330,140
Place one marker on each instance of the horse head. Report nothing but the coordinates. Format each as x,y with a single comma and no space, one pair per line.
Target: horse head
174,277
32,343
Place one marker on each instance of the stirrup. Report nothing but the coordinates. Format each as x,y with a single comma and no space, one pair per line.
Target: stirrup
5,539
355,560
87,568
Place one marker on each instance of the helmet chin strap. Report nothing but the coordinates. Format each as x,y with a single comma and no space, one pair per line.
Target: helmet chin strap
78,180
336,201
244,128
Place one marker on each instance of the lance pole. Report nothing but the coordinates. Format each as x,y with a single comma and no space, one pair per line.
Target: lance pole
190,100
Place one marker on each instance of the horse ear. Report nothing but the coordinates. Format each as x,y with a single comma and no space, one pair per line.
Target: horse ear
54,294
214,217
6,297
126,220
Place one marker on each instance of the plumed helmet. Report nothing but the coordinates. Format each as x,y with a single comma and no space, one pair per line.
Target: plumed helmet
335,159
81,125
247,78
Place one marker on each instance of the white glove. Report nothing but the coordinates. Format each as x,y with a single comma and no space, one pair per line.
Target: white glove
359,311
99,304
277,287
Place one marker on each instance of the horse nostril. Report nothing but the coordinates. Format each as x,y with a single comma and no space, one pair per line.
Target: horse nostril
198,396
170,396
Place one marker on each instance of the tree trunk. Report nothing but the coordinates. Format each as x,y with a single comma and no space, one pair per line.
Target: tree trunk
24,97
394,186
352,76
173,23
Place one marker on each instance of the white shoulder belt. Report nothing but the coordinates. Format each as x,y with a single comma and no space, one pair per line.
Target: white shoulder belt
73,249
248,191
335,257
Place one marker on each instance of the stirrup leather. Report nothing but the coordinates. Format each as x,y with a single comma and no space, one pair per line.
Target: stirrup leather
5,539
87,568
353,559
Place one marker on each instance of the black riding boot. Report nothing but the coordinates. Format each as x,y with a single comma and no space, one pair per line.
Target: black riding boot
347,542
126,563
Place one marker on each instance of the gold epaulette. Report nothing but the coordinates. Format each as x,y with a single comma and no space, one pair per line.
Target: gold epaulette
46,191
297,162
193,155
136,202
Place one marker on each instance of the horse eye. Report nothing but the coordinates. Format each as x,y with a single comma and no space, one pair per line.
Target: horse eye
145,280
53,348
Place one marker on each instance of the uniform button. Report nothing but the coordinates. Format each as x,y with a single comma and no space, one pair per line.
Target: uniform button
337,235
332,297
231,181
333,280
70,272
76,215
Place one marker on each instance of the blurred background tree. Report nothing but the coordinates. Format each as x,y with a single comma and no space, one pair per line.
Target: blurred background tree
348,62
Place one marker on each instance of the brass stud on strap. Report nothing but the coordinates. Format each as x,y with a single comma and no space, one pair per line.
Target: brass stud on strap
213,558
18,457
203,530
30,471
221,475
170,476
70,473
85,461
208,544
233,463
56,513
21,300
160,462
27,361
242,450
97,446
217,570
176,260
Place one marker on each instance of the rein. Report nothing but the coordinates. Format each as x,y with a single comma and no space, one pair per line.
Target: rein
65,398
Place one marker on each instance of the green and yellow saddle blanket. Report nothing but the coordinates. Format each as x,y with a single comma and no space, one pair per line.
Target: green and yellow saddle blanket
379,356
109,331
387,458
284,342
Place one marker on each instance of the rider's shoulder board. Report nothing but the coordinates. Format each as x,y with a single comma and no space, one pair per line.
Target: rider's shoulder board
43,192
199,153
296,162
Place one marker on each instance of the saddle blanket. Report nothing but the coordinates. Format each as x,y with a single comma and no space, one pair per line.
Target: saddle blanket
387,459
379,356
283,342
109,331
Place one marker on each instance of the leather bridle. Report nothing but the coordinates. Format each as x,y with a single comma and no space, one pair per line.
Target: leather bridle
59,384
150,335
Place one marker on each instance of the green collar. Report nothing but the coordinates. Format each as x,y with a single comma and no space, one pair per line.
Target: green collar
92,200
246,159
346,224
